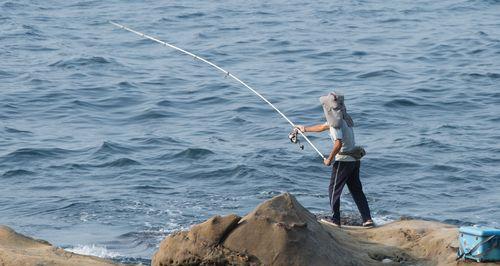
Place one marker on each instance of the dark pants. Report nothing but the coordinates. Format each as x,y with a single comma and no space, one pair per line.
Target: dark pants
347,173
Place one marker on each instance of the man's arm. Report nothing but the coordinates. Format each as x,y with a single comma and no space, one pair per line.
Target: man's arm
315,128
336,148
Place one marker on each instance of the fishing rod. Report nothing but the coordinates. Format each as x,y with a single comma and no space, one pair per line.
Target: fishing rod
228,74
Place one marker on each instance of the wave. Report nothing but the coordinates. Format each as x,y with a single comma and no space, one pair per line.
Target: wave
400,103
210,100
18,172
152,189
125,84
71,206
370,41
145,237
12,5
396,20
112,102
359,53
428,90
277,42
229,28
85,104
194,153
216,139
449,126
251,109
5,74
17,131
83,61
31,32
33,154
156,140
165,103
494,119
153,114
432,143
235,174
119,163
37,48
94,250
388,73
484,75
191,15
37,81
445,168
112,148
235,120
266,23
476,51
291,51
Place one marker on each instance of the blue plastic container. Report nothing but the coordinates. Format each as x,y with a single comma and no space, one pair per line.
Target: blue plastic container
479,243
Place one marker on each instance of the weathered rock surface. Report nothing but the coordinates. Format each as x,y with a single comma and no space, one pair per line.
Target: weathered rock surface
202,245
19,250
431,243
280,231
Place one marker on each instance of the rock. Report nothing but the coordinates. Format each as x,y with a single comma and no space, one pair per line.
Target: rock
429,241
280,231
18,250
202,245
412,242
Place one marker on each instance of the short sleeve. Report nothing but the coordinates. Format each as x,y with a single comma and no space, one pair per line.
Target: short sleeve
336,133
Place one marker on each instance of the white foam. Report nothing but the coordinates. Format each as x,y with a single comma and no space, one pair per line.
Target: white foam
93,250
381,220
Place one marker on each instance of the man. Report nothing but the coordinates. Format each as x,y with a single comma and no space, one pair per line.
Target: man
345,154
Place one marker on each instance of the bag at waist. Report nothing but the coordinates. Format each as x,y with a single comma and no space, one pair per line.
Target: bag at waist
357,153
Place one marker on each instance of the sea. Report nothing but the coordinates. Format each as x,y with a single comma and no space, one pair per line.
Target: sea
109,142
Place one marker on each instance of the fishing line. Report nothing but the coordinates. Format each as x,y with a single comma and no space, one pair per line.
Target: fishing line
227,74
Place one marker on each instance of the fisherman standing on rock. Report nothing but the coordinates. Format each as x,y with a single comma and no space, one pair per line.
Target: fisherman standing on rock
345,155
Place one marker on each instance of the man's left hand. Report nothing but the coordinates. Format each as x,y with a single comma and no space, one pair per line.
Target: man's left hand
327,162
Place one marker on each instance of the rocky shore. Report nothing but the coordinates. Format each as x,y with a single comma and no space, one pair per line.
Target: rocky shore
20,250
279,231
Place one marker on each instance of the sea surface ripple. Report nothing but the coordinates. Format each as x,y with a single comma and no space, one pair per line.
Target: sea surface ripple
110,142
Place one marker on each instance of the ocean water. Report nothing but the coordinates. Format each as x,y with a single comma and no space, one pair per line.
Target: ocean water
109,142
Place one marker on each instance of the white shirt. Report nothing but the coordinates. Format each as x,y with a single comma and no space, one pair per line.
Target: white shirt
346,135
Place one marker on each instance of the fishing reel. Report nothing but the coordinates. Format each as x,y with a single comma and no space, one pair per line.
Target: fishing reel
294,138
